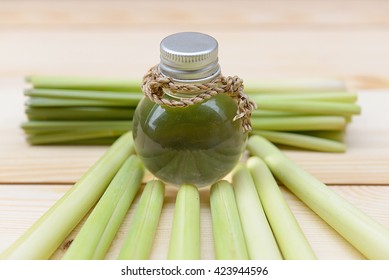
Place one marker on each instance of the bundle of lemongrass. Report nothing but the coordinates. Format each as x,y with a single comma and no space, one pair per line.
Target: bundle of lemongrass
308,114
250,216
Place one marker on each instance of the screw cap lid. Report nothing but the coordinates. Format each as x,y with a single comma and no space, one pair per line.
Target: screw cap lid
189,57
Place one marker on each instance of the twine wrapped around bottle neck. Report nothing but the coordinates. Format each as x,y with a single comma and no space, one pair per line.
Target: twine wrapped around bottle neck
154,82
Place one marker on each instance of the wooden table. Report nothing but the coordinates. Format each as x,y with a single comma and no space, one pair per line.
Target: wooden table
258,39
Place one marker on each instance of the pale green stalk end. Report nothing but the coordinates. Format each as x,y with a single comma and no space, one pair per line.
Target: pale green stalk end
260,241
143,227
364,233
44,236
69,136
333,96
299,123
185,235
228,236
96,235
127,98
290,237
302,141
45,102
312,107
84,83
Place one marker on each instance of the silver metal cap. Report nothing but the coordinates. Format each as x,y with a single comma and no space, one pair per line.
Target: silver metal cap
189,57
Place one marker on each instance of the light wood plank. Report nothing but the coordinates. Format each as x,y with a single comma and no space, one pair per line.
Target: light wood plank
21,205
360,57
195,14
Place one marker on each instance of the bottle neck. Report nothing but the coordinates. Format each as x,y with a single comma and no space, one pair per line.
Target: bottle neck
181,95
177,94
190,76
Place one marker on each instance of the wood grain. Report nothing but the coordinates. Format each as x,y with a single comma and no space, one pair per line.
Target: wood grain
344,39
196,14
357,56
258,39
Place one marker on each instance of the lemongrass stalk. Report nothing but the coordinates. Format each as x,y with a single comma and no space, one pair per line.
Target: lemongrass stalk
41,131
185,235
129,99
311,107
85,83
98,231
290,237
293,85
50,230
79,113
104,83
259,237
143,227
299,123
73,125
335,96
302,141
364,233
63,137
327,134
88,142
260,113
61,102
228,236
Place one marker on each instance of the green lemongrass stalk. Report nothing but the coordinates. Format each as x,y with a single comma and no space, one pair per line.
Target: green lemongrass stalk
79,113
50,230
185,235
98,231
364,233
74,125
128,98
69,132
259,237
289,235
336,96
42,131
260,113
302,141
88,142
84,83
311,107
299,123
61,102
332,135
228,236
143,227
115,84
63,137
293,85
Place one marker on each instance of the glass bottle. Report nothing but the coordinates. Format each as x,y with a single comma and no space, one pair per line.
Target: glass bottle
198,144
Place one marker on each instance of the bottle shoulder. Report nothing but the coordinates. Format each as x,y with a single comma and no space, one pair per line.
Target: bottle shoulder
221,105
205,123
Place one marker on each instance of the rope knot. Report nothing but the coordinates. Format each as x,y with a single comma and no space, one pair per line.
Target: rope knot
154,83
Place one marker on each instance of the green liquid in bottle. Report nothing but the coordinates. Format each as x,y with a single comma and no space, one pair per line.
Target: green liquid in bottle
198,145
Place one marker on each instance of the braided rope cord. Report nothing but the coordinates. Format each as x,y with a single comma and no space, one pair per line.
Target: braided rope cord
154,82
